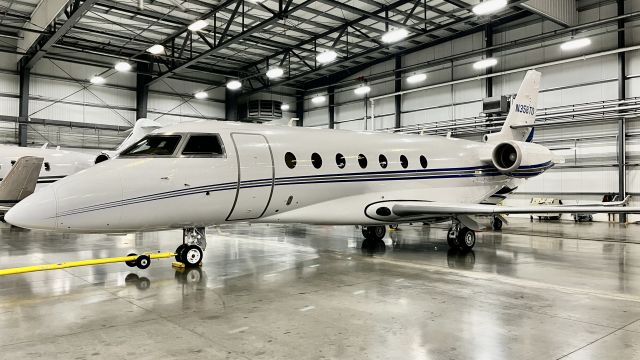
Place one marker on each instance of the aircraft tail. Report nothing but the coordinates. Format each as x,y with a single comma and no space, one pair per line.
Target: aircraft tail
522,112
21,180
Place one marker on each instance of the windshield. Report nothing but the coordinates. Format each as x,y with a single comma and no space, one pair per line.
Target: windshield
154,145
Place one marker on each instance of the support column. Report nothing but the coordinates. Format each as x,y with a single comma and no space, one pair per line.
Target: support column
23,105
488,41
332,109
622,94
231,105
398,88
300,107
142,90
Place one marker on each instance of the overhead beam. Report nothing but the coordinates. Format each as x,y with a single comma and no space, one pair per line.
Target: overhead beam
45,42
43,16
221,45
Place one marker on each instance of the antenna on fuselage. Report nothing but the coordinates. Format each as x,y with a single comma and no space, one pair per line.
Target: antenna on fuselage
292,120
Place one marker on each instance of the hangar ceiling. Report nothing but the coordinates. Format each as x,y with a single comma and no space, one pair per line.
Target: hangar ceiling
242,39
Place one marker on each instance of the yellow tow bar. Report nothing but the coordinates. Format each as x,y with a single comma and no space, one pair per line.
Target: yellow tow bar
131,260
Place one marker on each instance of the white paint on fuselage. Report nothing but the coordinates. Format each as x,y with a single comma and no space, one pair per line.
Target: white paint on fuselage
138,194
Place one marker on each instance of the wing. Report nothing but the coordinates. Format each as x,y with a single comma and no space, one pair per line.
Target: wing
398,211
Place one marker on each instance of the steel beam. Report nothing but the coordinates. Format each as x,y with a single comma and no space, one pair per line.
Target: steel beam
45,42
331,90
230,105
225,44
300,107
23,105
142,90
398,88
488,39
622,94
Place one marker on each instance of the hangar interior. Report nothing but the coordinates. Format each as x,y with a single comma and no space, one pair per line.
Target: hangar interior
78,74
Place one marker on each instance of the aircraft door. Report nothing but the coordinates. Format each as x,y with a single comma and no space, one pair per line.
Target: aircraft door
255,176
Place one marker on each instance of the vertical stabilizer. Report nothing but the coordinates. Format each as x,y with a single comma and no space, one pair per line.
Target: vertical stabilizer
522,112
21,180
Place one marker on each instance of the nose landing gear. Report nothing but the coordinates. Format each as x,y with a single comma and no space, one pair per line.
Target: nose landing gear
194,242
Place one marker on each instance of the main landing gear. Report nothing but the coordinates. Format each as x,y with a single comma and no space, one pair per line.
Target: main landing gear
374,232
194,242
461,238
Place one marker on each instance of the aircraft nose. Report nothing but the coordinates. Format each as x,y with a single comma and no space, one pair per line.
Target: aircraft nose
37,211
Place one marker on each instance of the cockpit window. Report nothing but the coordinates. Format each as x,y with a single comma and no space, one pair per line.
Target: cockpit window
154,145
207,145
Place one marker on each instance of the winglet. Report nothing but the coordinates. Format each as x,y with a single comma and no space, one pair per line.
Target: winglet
21,180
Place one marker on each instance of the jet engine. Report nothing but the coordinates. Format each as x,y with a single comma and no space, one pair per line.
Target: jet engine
521,158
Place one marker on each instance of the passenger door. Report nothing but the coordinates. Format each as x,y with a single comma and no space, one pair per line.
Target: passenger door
255,176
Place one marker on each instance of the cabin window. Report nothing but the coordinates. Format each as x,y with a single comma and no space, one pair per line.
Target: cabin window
47,166
423,161
316,160
203,145
290,160
153,145
362,160
383,161
341,161
404,162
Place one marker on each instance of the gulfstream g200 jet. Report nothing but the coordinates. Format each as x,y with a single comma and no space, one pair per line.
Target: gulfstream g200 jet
197,174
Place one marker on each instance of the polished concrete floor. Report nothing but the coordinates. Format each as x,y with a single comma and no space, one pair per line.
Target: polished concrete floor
534,291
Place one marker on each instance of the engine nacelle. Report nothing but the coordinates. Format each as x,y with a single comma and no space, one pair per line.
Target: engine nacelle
104,156
521,159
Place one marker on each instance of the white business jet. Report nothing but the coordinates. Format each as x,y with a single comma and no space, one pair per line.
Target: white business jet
20,182
58,163
198,174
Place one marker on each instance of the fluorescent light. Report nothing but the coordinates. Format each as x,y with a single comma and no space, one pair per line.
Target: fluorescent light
416,78
489,7
362,89
198,25
97,80
123,66
156,49
274,72
486,63
201,95
326,56
318,99
234,84
575,44
284,107
395,35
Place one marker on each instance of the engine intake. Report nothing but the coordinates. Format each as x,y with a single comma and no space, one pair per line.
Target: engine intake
521,159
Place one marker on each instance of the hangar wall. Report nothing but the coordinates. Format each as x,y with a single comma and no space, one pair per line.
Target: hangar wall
589,148
61,91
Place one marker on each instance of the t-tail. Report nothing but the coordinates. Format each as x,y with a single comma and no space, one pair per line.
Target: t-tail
522,112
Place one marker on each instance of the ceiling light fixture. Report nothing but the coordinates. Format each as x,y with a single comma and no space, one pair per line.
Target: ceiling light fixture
284,107
362,89
156,49
489,7
234,84
123,66
486,63
97,79
201,95
416,78
575,44
326,56
318,99
274,72
198,25
394,35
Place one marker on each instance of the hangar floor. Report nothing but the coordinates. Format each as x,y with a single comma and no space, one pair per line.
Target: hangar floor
533,291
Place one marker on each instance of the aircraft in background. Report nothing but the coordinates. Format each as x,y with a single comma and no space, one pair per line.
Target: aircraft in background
20,182
193,175
58,163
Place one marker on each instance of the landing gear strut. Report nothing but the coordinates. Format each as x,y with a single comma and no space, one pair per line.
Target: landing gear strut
374,232
461,238
496,223
194,242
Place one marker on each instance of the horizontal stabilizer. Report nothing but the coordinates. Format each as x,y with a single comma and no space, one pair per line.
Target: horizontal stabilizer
21,180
